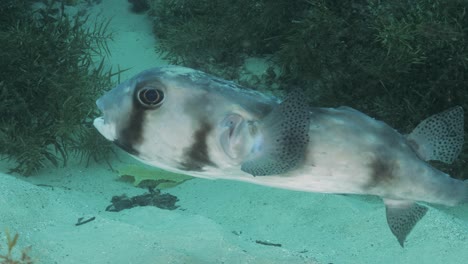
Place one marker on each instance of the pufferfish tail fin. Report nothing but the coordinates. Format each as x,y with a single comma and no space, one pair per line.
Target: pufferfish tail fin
439,137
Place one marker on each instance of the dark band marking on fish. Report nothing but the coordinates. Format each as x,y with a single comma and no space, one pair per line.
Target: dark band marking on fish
196,156
382,172
125,146
132,133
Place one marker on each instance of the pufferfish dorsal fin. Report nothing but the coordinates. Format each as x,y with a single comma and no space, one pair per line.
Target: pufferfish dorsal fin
439,137
283,138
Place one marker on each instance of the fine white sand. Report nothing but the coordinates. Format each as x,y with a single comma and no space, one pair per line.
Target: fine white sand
218,221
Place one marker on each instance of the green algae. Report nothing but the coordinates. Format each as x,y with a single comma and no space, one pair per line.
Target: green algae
48,86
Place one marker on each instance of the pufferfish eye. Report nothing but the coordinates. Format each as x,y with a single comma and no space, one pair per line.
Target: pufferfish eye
150,97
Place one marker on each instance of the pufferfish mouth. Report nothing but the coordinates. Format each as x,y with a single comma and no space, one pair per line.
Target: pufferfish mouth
106,129
102,124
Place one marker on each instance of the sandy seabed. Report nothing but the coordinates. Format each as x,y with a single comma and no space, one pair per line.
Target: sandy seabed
217,221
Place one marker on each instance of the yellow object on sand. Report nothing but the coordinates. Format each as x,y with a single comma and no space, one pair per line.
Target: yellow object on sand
144,176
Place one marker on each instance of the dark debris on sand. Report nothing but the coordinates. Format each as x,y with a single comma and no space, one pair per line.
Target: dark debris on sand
152,198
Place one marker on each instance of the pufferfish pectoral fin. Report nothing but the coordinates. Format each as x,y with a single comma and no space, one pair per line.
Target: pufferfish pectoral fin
283,138
402,216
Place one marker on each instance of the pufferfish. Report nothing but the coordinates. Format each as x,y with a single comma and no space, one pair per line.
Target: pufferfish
186,121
